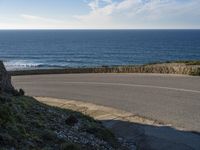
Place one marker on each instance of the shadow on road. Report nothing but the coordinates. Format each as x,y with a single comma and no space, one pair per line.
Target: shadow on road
150,137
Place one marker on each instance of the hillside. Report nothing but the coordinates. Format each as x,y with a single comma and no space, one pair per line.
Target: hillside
26,123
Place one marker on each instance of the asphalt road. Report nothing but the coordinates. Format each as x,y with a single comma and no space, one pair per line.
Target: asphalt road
172,99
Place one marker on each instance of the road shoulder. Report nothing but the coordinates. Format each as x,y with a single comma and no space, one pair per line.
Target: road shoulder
135,130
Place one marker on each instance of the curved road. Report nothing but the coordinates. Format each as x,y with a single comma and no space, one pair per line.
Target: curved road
172,99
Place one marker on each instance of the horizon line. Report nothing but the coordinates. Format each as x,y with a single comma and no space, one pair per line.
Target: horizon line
107,29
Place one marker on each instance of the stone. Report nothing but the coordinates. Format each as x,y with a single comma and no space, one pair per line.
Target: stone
5,80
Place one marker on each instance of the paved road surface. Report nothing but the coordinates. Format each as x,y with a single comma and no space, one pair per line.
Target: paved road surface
172,99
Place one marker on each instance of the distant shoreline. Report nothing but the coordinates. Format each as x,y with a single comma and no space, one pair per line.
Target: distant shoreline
175,67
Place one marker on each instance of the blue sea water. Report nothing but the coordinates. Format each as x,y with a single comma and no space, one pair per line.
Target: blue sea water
31,49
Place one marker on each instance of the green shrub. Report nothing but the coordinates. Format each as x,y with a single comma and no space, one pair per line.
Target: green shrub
18,93
5,114
21,92
69,146
4,99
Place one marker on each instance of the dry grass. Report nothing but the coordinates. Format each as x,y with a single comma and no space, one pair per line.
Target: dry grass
177,67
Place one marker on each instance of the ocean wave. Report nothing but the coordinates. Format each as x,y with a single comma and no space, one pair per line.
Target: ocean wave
21,64
28,64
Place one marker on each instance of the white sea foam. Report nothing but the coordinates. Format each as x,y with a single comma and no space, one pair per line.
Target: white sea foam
21,64
30,64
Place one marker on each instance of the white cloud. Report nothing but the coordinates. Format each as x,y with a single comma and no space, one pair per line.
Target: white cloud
117,14
39,18
142,14
95,3
26,21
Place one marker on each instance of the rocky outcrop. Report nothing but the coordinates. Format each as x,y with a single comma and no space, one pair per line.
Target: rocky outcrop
5,80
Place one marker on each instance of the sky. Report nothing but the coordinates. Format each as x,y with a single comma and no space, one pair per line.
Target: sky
99,14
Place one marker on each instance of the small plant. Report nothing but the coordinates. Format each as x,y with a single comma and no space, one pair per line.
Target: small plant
15,93
69,146
21,92
18,93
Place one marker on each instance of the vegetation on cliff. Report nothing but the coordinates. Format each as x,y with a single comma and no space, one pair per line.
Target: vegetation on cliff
172,67
28,124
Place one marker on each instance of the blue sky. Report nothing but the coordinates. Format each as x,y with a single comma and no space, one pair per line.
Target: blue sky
99,14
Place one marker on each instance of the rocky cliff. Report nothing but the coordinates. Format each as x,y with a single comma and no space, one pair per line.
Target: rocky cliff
5,80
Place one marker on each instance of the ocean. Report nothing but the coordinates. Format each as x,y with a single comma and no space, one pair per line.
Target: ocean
38,49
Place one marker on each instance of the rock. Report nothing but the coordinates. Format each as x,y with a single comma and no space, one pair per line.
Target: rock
5,80
71,120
